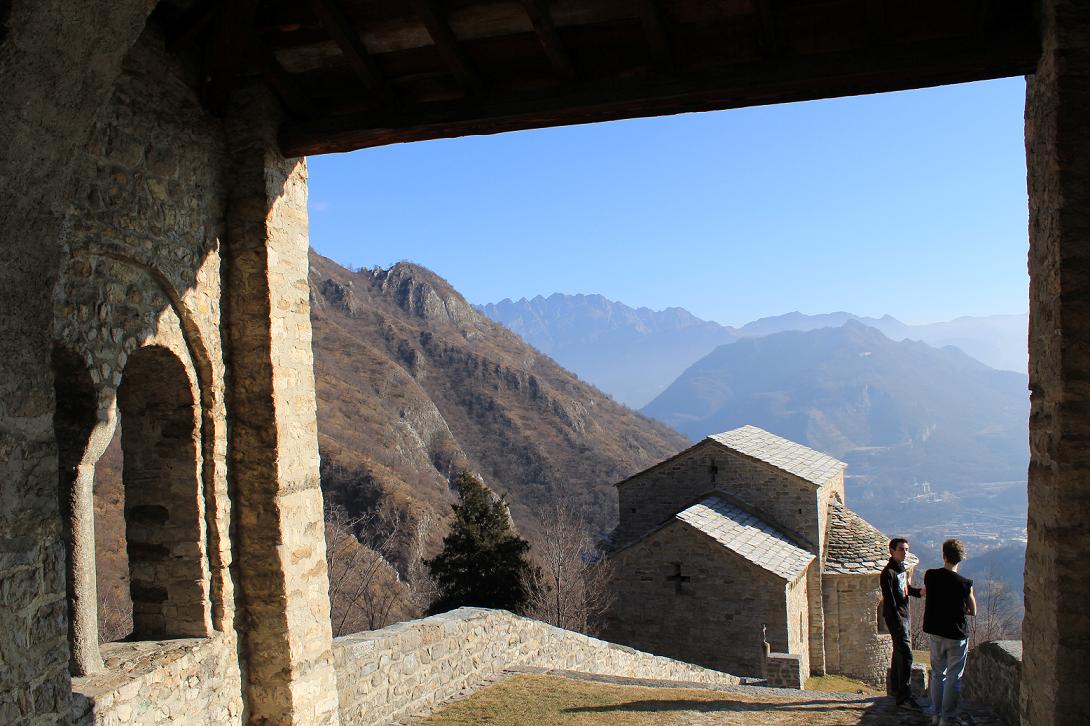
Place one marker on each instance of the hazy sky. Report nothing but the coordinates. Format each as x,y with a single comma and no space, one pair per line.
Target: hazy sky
912,204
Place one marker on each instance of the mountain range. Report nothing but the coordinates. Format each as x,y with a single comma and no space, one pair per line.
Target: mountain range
900,413
415,385
635,353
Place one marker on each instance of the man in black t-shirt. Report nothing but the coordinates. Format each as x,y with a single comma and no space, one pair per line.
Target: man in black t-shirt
895,593
949,600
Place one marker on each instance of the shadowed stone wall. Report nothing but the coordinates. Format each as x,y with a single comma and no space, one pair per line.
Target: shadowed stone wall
1056,630
993,674
388,674
58,64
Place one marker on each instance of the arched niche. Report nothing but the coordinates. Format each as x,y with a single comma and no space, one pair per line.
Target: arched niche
165,533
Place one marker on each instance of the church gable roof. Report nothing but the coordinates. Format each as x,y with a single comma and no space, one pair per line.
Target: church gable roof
855,546
784,454
748,536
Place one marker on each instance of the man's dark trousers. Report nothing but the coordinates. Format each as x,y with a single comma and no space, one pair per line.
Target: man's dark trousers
901,665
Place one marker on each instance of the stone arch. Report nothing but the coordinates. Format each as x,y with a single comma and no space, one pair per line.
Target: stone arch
164,505
74,421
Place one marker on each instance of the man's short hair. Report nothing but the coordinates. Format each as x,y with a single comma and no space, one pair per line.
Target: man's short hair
895,543
953,551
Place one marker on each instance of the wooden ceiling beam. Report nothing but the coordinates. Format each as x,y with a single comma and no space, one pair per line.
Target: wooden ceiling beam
227,51
347,38
290,93
186,29
453,55
542,18
952,60
654,29
766,22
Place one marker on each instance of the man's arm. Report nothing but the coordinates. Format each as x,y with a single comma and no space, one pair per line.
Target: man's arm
970,602
915,591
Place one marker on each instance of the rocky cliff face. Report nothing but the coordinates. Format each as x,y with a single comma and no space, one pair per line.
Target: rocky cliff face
414,386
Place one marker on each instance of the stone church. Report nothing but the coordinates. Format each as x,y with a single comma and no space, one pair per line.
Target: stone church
745,538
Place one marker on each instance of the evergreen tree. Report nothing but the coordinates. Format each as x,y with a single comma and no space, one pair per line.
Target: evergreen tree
483,562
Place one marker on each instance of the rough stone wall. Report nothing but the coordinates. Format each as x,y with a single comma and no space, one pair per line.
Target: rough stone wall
798,618
785,670
274,448
58,62
993,675
714,621
1056,630
786,502
388,674
142,270
187,681
853,645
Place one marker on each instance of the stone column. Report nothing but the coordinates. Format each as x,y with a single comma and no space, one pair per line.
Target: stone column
58,64
1056,631
274,436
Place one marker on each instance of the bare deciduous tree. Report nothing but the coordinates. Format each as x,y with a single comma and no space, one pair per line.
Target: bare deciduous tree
998,616
365,591
570,587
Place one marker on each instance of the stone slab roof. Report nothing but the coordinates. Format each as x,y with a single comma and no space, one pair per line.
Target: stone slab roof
784,454
854,545
747,536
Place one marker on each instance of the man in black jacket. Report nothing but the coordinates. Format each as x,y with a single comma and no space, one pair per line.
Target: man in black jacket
895,593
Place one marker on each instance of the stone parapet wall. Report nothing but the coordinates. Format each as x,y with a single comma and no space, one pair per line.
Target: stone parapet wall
785,670
387,674
191,681
993,673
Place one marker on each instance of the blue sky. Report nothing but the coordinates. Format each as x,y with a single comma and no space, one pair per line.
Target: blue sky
912,204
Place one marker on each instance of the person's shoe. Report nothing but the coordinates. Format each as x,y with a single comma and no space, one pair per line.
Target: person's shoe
910,703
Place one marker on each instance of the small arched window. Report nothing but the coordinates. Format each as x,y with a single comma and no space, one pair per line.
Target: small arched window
164,528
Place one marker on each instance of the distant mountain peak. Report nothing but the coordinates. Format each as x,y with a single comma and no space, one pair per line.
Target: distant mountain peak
419,291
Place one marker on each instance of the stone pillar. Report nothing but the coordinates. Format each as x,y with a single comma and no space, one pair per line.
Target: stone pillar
58,63
274,438
1056,631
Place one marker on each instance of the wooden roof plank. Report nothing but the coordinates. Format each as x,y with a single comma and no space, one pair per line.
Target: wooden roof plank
347,38
228,50
542,18
290,93
654,29
766,19
888,68
439,29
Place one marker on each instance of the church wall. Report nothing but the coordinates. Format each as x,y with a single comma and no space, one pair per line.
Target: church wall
58,63
853,645
142,268
715,621
798,619
651,498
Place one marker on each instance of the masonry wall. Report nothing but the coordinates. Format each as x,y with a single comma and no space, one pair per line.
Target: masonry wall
191,681
387,674
58,64
142,268
1056,630
715,620
789,504
993,676
853,645
798,619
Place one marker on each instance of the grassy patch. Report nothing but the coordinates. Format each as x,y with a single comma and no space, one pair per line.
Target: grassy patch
555,701
839,684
